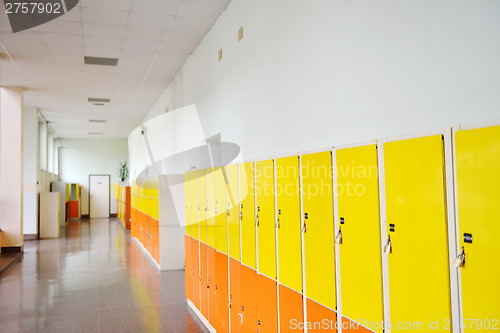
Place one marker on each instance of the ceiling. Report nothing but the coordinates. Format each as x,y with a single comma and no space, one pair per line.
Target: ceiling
152,39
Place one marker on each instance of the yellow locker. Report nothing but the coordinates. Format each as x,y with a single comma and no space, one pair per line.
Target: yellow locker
247,215
233,206
416,223
220,209
265,219
194,204
317,198
288,222
202,204
210,190
478,200
188,202
359,222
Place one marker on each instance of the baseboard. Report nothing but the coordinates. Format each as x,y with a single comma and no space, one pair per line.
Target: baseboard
12,249
30,237
113,215
85,216
201,317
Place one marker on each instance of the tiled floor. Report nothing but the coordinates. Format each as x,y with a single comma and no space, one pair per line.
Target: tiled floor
92,279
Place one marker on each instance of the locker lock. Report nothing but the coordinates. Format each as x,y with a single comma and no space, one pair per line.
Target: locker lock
460,260
338,237
341,220
388,245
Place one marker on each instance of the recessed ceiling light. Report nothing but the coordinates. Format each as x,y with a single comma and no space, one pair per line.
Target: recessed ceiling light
99,100
100,61
97,121
96,133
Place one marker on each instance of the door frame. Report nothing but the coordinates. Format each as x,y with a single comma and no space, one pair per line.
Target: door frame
109,192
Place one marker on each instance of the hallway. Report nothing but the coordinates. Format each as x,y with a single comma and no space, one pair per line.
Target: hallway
94,278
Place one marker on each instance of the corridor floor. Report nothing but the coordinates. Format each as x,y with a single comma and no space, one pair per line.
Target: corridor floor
94,278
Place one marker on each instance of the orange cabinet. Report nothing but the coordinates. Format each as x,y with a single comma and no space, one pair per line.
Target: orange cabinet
212,308
203,281
267,305
291,310
235,295
320,319
188,266
248,308
195,254
221,323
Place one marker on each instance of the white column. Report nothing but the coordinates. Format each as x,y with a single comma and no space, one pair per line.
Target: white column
30,171
11,166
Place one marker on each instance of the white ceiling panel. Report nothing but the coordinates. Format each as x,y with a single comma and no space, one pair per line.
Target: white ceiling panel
151,39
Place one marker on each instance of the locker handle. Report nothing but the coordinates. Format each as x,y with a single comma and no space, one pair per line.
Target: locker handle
460,260
388,245
257,219
304,228
241,318
338,237
241,215
227,212
278,224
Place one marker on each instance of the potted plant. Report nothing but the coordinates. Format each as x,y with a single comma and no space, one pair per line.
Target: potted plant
123,173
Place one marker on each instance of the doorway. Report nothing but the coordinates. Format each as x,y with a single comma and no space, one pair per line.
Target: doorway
99,196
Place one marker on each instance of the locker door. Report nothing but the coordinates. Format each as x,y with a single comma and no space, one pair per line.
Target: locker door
220,209
264,192
478,184
235,291
221,323
267,305
317,197
416,214
188,266
360,250
210,190
233,205
327,318
289,225
249,294
248,234
188,201
202,205
211,279
194,204
291,310
195,253
203,281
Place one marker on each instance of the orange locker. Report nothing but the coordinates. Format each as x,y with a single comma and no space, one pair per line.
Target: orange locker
196,272
155,238
291,310
188,267
203,280
211,277
221,323
235,295
248,308
267,305
320,319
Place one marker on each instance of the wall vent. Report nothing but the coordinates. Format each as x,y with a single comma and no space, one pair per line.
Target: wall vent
99,100
100,61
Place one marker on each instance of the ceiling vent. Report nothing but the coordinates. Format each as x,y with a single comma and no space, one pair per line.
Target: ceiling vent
99,100
96,133
97,121
100,61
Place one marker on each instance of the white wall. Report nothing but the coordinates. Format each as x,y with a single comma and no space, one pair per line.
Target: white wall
11,167
30,171
310,74
79,158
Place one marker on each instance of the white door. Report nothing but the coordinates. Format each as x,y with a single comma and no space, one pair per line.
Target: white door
99,196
